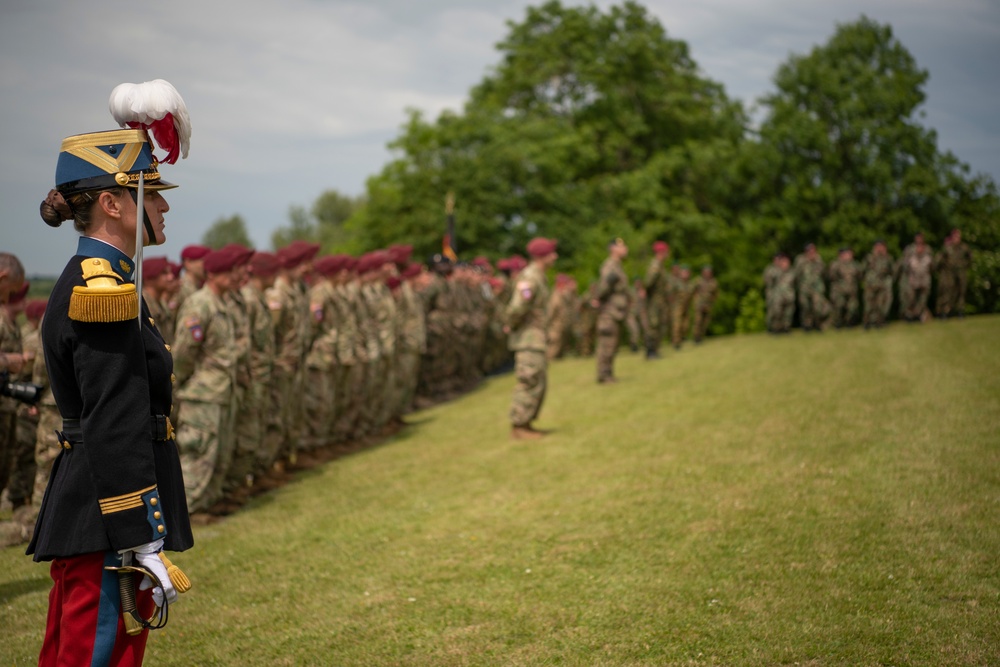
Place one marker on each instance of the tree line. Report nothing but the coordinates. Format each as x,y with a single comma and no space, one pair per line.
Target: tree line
595,124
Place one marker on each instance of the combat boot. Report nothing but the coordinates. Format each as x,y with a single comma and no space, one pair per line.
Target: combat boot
524,433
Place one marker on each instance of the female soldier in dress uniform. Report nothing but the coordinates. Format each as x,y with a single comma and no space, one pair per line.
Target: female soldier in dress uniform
115,495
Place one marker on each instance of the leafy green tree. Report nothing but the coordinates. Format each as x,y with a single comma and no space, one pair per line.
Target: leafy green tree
323,223
227,230
594,125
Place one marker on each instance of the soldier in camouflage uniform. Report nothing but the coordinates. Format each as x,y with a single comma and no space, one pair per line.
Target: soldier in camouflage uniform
352,354
814,308
586,322
239,473
193,276
156,276
914,275
952,266
682,294
289,304
561,313
779,280
612,303
657,305
844,274
434,365
260,414
21,487
205,369
706,290
321,361
11,359
878,271
527,314
412,342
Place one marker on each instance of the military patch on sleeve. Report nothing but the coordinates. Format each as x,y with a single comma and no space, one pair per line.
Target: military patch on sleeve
525,289
193,325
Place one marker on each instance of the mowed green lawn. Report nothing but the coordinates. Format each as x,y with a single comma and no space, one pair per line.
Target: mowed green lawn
813,499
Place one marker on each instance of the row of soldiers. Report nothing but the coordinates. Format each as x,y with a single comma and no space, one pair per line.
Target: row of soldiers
279,355
664,304
863,291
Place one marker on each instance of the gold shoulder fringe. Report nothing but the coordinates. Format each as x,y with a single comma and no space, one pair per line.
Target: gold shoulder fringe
103,299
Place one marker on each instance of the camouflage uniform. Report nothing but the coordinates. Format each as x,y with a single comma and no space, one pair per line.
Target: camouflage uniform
21,486
952,265
914,272
352,355
47,445
10,343
780,298
844,275
321,366
814,309
586,322
657,305
878,272
243,418
706,290
205,368
614,297
289,312
559,323
527,314
259,413
680,317
412,343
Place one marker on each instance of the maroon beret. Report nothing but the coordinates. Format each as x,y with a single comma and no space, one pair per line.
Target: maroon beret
154,267
243,253
412,270
175,268
195,252
660,246
35,308
264,264
220,261
393,282
327,266
540,247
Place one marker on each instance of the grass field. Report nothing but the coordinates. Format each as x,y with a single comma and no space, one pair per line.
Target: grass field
821,499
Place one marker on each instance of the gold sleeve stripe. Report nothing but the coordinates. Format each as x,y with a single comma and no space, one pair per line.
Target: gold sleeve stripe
125,502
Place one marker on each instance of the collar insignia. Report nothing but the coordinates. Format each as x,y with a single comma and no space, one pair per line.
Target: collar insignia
125,266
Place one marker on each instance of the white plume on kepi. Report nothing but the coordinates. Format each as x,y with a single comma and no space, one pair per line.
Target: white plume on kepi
157,107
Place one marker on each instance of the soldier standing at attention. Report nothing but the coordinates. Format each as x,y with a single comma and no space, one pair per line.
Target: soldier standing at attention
193,268
205,358
261,270
527,315
683,294
914,275
11,359
878,272
156,276
657,306
115,497
781,295
814,309
612,303
844,274
705,292
952,266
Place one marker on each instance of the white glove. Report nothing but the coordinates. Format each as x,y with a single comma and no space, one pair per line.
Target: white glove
148,556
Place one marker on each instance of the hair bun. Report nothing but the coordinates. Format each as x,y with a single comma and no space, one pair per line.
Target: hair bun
55,209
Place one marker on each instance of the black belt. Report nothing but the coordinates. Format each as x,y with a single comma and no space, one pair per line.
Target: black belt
160,429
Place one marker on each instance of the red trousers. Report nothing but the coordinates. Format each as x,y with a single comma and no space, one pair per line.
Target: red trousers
84,627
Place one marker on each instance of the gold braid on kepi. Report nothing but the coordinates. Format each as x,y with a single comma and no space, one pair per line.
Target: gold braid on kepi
105,298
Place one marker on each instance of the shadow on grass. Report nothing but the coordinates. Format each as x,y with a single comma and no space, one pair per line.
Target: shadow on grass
15,589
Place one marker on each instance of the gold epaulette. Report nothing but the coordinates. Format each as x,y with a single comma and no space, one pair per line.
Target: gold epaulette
105,298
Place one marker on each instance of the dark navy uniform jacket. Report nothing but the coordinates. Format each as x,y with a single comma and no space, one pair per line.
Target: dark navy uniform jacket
117,484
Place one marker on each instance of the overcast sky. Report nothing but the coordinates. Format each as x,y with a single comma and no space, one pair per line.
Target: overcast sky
290,98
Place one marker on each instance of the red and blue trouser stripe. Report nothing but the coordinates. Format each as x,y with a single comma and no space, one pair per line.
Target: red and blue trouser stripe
84,627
